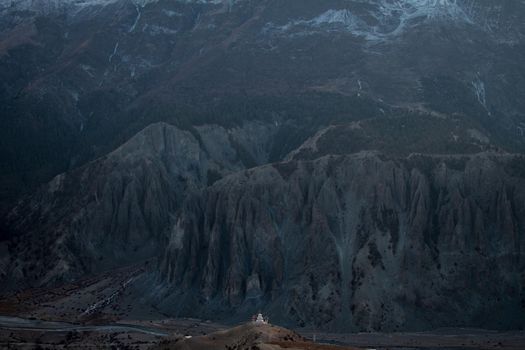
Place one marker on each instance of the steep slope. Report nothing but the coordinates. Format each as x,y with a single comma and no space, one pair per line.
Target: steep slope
400,136
337,241
80,77
115,210
358,242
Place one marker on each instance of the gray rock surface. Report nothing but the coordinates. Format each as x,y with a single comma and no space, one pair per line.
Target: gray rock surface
114,210
358,242
362,241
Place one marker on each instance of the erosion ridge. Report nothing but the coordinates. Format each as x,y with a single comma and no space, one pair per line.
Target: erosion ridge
363,241
357,242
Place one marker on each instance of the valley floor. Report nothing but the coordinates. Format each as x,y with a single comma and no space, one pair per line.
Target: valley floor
20,333
98,312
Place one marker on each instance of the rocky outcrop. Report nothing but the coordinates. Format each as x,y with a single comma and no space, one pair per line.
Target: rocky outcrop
358,242
115,210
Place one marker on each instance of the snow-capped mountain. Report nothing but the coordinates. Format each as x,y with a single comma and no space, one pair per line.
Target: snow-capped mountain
139,48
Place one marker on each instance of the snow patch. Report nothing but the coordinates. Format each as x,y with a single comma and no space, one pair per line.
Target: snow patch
479,90
153,29
392,18
334,19
137,19
88,69
114,52
343,17
171,13
425,8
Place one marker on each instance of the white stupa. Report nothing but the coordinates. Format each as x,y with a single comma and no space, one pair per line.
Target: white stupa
260,319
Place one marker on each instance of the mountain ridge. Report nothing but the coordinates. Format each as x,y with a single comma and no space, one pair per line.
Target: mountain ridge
348,165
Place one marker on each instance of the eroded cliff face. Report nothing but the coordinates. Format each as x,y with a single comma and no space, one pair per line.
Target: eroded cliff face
117,209
358,242
362,241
